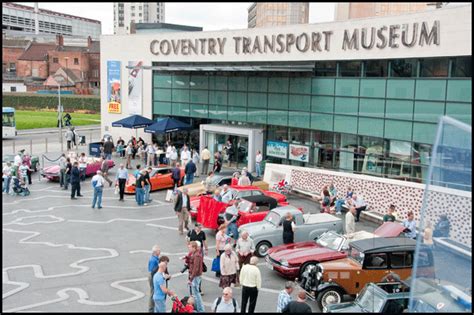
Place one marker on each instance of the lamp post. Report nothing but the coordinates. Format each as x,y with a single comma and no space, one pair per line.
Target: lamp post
60,116
67,76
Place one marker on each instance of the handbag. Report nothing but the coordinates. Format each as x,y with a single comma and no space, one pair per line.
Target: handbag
204,267
116,190
216,264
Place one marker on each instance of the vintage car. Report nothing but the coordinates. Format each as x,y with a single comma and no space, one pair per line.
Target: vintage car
368,260
252,209
269,232
11,158
385,297
291,260
239,192
93,165
219,179
431,296
160,178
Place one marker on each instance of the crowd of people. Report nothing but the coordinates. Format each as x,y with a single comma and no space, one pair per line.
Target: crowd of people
17,174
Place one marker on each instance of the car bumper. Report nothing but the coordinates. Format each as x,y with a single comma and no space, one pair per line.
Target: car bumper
287,272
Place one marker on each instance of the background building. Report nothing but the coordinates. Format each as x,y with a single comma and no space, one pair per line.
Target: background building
355,10
126,13
20,19
262,14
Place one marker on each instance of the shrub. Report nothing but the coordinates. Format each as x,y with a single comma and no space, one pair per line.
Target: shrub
70,103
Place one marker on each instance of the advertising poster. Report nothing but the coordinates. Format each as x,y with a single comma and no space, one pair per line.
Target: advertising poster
135,79
299,153
114,96
277,149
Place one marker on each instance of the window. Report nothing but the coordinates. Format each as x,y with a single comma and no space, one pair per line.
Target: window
326,69
349,68
12,88
403,68
76,61
323,149
401,259
376,261
462,67
436,67
133,14
376,68
55,60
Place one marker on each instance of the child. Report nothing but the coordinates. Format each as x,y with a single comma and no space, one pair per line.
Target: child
186,305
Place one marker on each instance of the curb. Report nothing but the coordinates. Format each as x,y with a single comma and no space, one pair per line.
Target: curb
48,130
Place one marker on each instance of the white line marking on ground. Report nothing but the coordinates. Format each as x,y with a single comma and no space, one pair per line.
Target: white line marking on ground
121,219
18,221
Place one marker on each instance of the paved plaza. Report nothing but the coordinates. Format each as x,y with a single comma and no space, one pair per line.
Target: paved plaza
60,255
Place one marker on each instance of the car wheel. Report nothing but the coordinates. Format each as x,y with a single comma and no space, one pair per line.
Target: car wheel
262,248
306,267
329,296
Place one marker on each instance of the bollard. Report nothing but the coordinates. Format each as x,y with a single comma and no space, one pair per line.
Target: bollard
46,144
90,137
13,147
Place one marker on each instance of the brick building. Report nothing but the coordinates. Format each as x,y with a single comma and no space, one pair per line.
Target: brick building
35,63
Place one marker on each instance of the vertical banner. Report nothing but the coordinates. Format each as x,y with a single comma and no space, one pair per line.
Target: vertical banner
114,96
135,79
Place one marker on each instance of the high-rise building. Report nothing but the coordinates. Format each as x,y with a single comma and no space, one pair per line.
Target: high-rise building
262,14
355,10
18,19
126,13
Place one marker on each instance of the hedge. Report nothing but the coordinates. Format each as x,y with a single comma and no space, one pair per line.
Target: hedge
70,103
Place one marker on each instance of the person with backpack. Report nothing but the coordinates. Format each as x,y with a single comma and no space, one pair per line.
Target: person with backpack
225,303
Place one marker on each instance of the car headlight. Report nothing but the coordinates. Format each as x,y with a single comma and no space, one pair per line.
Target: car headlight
319,275
284,263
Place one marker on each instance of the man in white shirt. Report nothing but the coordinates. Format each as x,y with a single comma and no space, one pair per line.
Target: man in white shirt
258,163
350,221
7,176
98,184
205,157
17,161
150,150
359,204
245,249
169,148
226,194
185,156
244,180
173,156
251,281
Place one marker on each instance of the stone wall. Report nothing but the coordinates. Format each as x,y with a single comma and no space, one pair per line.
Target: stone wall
379,193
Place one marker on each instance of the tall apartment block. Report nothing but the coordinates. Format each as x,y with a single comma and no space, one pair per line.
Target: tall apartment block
126,13
355,10
262,14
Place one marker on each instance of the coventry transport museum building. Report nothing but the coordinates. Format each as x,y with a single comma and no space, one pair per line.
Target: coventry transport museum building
359,96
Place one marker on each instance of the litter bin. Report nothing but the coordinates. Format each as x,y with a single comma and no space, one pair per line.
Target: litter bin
94,149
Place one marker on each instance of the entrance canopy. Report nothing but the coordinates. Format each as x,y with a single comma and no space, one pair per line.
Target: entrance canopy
133,122
290,67
166,125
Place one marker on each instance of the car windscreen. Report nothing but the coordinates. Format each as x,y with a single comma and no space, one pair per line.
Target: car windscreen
330,240
355,254
370,299
245,206
273,217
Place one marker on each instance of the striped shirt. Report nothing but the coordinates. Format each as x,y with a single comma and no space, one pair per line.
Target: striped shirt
283,299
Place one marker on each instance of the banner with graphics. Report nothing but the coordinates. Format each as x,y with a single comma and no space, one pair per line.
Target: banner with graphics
114,92
277,149
299,153
135,79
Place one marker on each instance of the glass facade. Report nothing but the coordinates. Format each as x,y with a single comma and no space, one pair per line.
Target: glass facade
365,123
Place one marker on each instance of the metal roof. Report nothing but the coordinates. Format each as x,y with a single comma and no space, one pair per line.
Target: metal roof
384,243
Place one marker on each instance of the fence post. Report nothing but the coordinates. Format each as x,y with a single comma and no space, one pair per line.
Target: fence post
31,147
46,144
13,146
90,137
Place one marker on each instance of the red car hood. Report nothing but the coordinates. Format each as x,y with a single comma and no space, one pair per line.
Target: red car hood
300,252
389,229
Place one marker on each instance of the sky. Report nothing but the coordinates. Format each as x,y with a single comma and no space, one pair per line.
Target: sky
210,16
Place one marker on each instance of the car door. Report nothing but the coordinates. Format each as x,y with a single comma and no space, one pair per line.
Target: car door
166,178
401,263
301,231
257,213
376,266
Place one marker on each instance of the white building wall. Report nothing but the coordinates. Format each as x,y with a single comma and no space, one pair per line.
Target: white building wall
455,40
7,87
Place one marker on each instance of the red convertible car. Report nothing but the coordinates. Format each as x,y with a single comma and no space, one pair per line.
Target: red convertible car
160,178
93,165
250,209
239,192
291,260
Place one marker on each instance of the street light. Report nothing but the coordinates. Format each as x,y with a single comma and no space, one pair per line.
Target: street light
67,76
60,115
